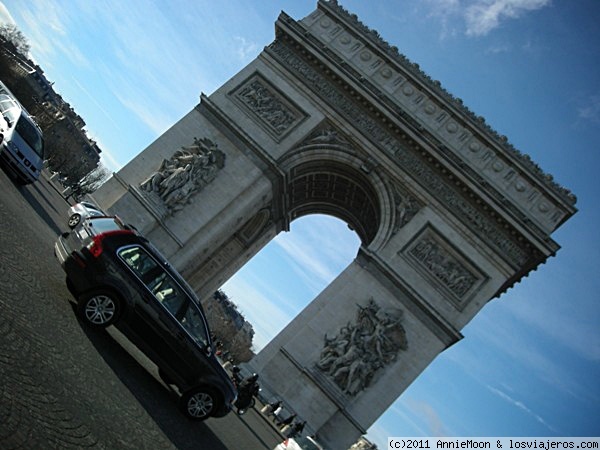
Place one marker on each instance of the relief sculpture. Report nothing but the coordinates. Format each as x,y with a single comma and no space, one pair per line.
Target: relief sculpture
360,349
185,173
265,104
443,266
406,207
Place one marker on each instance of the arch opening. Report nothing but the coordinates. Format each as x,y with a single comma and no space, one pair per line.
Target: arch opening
339,190
288,273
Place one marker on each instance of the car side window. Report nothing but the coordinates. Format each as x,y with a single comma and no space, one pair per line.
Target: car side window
167,292
162,286
193,323
139,261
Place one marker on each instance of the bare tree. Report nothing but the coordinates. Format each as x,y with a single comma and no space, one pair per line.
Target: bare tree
229,327
12,34
83,181
94,179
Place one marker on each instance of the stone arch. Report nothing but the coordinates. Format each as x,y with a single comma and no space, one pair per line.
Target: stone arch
332,179
334,189
326,120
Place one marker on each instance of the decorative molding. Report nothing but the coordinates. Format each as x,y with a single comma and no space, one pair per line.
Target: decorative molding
254,227
267,106
446,267
186,173
482,224
434,85
326,135
360,349
406,206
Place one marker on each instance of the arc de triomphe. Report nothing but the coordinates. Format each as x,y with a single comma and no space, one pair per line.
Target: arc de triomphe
331,119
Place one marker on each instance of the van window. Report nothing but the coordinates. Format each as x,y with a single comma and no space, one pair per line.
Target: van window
10,115
30,135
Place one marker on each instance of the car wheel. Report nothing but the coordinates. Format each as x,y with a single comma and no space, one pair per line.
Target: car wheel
74,220
198,403
99,309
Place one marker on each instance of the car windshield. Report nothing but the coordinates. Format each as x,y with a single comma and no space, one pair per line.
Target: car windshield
89,205
31,135
193,322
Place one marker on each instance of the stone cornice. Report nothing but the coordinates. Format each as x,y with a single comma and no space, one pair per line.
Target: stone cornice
405,152
334,8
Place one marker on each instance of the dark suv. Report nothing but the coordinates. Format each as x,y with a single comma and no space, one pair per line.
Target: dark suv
119,278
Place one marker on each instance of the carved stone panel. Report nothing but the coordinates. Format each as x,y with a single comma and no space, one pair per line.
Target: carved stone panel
445,266
187,172
266,106
352,357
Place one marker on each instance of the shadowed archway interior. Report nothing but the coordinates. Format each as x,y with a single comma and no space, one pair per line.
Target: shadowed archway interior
326,187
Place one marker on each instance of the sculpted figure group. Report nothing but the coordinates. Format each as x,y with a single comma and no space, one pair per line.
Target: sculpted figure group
185,173
443,266
352,357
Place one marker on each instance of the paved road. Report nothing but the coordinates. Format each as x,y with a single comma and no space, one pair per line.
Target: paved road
64,386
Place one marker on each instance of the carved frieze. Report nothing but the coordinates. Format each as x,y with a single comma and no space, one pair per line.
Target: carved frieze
267,106
408,159
361,348
187,172
446,267
388,72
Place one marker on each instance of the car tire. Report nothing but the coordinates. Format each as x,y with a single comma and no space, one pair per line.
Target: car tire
99,309
199,403
74,220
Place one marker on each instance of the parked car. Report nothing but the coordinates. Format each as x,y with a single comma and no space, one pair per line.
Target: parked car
83,210
120,278
21,140
299,443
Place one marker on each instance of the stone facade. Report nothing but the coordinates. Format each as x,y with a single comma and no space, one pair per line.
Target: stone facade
330,119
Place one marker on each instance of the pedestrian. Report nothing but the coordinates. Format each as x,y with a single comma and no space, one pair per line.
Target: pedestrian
286,421
296,429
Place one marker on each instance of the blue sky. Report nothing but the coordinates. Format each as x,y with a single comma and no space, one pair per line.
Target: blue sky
530,361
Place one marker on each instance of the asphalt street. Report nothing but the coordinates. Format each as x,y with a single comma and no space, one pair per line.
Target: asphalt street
65,386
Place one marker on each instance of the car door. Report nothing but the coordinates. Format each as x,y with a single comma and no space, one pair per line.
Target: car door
153,317
196,348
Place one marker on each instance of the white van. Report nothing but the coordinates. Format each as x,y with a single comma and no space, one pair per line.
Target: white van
21,140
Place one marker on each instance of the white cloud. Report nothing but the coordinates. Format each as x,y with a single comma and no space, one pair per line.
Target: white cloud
98,105
318,248
259,308
485,15
5,16
246,49
591,109
495,345
435,425
47,33
445,11
519,404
